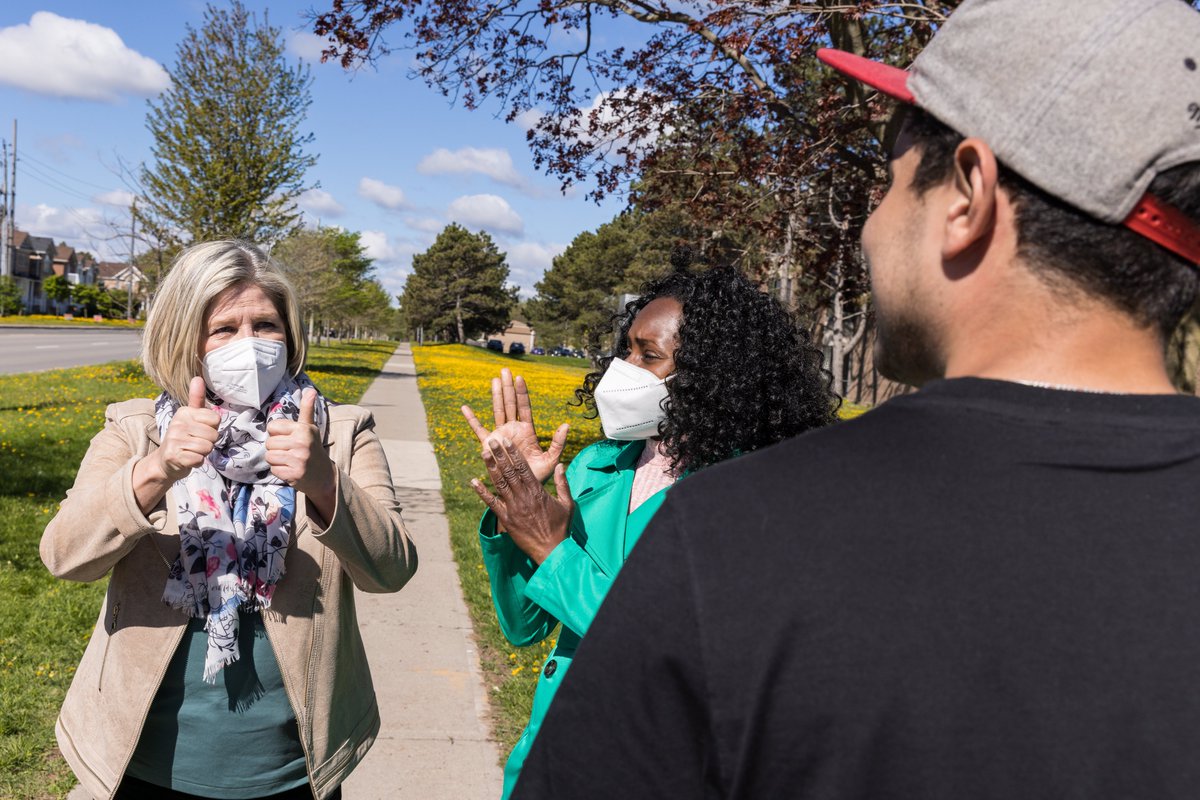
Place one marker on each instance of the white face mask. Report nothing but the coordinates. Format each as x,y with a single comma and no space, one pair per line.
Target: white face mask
629,400
245,372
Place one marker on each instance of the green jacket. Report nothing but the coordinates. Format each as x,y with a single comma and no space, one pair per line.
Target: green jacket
569,586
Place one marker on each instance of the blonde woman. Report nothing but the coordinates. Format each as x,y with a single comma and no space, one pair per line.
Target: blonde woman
235,514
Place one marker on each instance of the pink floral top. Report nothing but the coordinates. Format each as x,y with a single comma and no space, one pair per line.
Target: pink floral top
652,474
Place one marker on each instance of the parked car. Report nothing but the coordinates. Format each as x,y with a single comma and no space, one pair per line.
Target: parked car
560,351
516,348
538,351
495,344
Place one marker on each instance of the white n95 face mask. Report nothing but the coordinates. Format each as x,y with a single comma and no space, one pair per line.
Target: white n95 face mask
245,372
629,400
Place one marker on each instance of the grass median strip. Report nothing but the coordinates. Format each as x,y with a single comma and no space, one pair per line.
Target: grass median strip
46,422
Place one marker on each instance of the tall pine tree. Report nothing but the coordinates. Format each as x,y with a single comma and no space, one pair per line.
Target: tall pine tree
229,154
457,286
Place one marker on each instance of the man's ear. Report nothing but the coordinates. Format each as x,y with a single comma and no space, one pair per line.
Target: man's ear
972,211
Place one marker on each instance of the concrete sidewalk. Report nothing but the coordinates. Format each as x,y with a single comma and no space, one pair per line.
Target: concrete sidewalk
434,742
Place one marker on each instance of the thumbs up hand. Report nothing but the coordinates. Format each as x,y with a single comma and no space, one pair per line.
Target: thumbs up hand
190,436
297,456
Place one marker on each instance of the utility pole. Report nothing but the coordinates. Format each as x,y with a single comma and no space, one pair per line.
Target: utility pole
12,191
132,228
5,268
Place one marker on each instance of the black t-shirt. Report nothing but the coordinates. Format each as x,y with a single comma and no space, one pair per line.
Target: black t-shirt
983,590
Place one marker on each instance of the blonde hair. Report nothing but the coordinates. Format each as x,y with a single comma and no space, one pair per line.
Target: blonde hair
174,326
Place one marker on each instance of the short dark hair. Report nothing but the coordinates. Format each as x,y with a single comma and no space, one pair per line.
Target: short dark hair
1067,247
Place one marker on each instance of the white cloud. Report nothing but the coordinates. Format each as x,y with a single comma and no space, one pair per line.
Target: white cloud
534,257
528,119
426,224
528,261
118,198
320,203
392,256
387,249
81,228
307,46
487,211
609,107
495,163
376,245
381,194
72,58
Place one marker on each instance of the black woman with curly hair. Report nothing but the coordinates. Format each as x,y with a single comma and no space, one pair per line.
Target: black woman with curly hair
707,367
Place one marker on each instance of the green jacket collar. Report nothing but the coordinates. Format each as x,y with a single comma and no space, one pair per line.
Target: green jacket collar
621,456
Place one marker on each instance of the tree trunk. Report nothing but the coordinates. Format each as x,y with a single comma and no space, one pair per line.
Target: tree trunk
845,331
784,265
458,319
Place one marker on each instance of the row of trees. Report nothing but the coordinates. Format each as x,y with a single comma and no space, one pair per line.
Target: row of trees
335,283
578,296
85,298
90,299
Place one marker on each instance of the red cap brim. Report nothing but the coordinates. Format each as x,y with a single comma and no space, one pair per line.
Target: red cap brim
890,80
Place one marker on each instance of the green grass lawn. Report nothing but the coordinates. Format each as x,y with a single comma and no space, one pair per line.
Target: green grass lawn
448,376
46,422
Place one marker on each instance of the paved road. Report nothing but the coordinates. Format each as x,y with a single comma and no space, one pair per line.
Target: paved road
34,349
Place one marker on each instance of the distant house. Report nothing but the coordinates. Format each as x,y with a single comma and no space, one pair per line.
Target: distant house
115,275
32,261
77,268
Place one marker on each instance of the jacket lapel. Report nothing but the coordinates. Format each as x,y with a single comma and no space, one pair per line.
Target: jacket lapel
604,502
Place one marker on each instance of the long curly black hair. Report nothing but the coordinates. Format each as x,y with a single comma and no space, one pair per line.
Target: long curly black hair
746,374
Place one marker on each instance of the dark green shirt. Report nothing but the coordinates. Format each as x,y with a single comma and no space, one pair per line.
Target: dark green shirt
235,739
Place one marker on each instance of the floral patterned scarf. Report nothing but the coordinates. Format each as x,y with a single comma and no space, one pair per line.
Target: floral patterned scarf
236,519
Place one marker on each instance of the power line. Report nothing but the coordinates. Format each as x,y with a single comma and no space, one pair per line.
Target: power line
55,184
64,174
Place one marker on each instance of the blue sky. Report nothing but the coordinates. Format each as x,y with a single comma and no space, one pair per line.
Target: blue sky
396,161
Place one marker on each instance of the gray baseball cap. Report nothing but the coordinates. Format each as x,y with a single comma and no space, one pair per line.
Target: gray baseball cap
1089,100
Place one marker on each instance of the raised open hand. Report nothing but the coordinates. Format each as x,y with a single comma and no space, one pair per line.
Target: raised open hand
536,521
513,416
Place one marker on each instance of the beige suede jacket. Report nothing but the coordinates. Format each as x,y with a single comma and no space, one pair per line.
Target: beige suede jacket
311,623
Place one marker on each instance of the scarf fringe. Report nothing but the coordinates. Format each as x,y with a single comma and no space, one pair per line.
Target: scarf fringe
214,666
